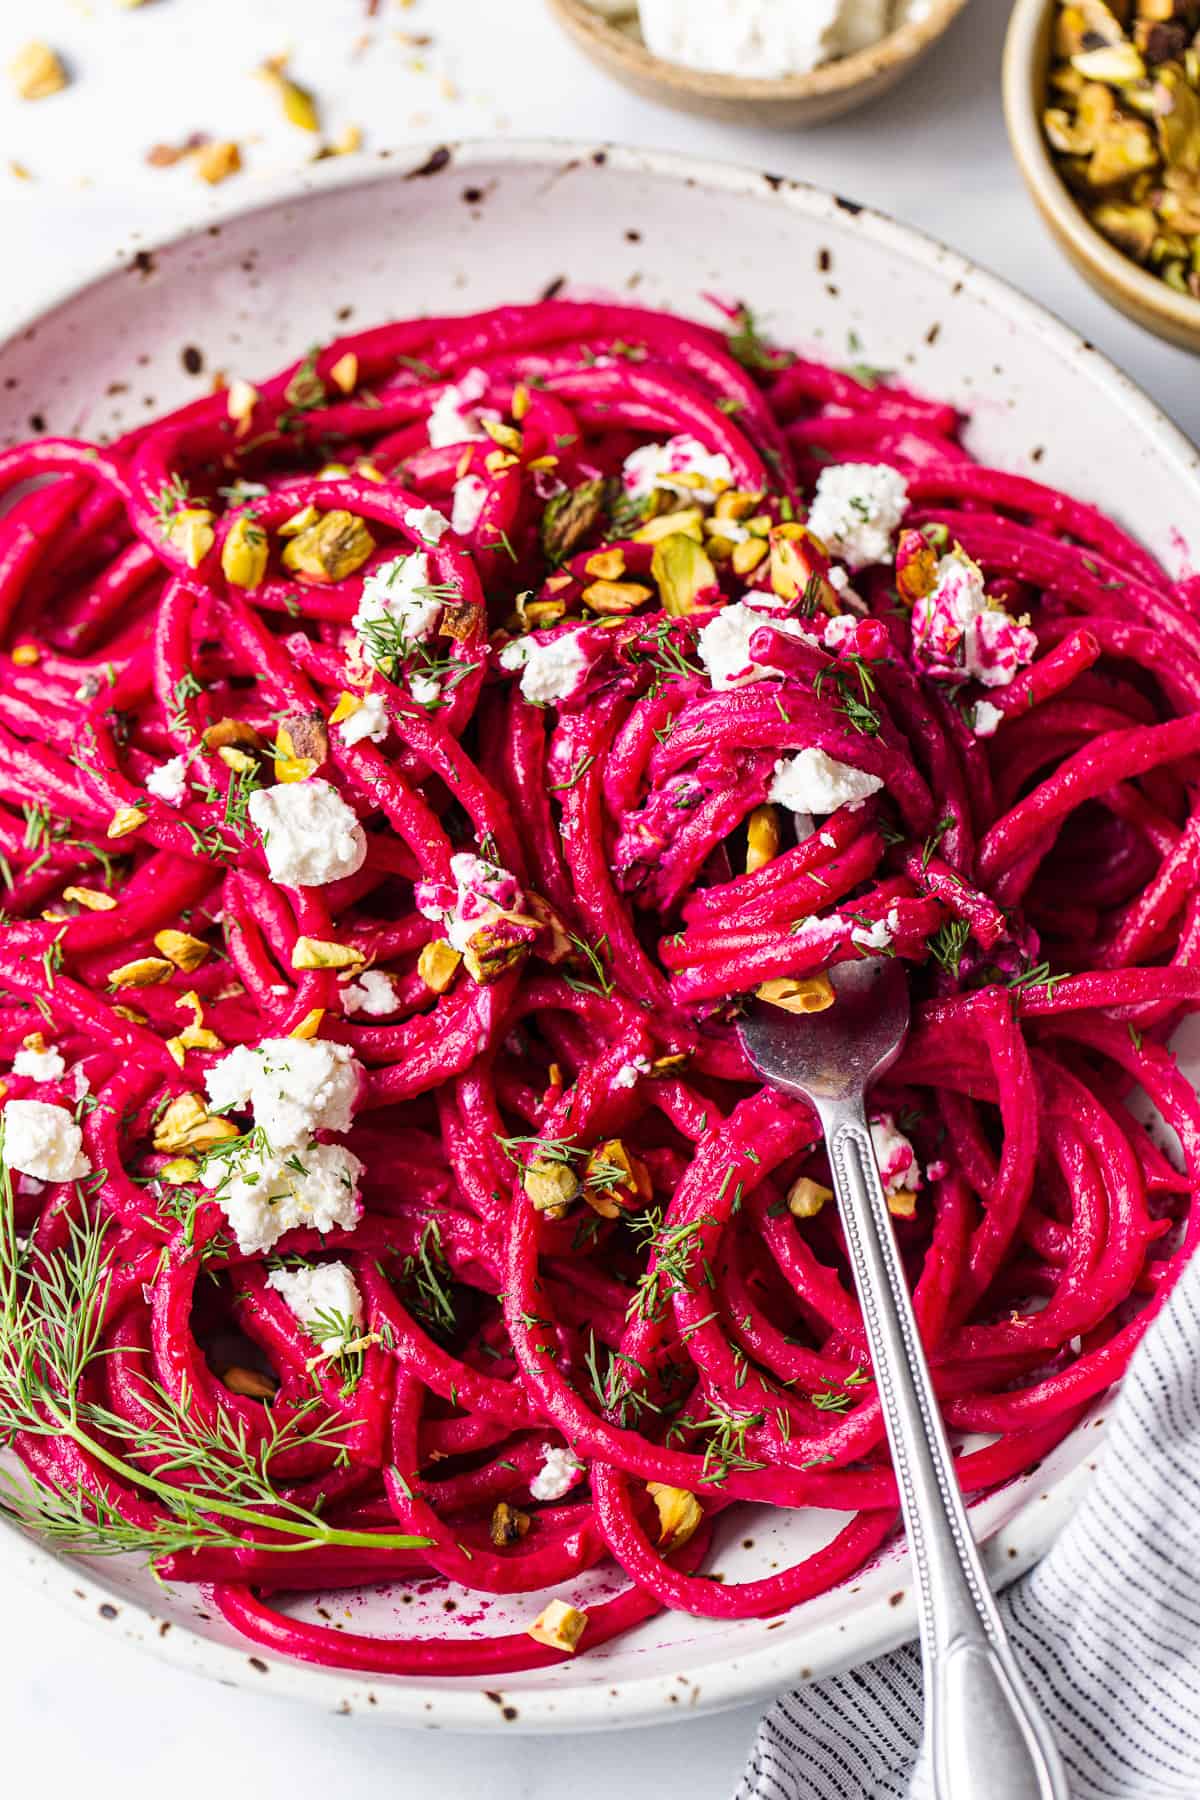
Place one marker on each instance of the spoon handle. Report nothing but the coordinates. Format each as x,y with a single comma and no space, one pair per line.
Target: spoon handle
987,1735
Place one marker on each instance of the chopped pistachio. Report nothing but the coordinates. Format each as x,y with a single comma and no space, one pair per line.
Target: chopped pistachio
902,1204
180,1170
309,1025
244,553
240,761
615,1181
748,554
125,820
217,161
438,964
762,837
679,1514
508,1524
37,71
550,1185
299,106
182,949
240,402
614,598
798,994
682,572
191,532
143,971
805,1198
344,373
323,953
91,898
186,1125
606,565
26,655
299,521
225,734
560,1626
688,522
333,548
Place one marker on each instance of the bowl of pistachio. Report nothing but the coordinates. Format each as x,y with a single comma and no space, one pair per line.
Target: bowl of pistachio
1102,100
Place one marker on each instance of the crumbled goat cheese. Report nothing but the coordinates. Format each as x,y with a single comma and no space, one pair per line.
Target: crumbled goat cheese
875,936
550,671
958,633
294,1086
43,1141
429,524
723,645
263,1197
814,782
426,690
168,782
325,1298
855,510
469,495
309,834
397,596
895,1155
763,39
557,1476
827,838
373,993
481,889
628,1073
453,418
985,718
367,723
665,465
39,1065
80,1085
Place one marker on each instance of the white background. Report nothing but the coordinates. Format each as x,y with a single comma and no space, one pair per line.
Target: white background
82,1710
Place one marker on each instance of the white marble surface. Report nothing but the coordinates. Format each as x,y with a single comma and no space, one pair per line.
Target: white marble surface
934,154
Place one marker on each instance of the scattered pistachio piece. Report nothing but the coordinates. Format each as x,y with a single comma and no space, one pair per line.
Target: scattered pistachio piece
508,1524
323,953
679,1514
344,373
249,1383
125,820
181,948
309,1025
805,1198
438,964
186,1125
560,1626
762,837
217,161
333,548
244,553
143,971
798,994
37,71
91,898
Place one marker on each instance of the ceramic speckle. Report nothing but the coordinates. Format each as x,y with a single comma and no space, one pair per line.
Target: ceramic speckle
342,244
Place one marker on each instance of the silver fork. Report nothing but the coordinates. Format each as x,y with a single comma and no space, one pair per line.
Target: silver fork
987,1735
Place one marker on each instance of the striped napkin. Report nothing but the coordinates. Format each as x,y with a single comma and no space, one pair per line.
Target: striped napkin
1107,1627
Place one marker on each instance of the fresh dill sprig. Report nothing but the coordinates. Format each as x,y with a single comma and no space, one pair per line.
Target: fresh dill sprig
209,1478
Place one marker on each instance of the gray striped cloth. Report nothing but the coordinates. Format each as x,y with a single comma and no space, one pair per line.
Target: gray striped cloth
1107,1626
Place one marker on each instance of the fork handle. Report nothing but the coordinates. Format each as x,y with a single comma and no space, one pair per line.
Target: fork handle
987,1735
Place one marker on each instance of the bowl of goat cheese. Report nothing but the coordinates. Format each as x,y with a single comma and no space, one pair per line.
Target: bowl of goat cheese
782,63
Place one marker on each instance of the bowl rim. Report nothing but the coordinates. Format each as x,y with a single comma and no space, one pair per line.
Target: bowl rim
731,1678
904,43
1041,176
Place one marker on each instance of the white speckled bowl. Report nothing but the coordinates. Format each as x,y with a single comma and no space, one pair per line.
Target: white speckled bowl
454,229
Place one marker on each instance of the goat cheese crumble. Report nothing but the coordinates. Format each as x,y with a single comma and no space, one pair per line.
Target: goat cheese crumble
325,1298
895,1155
481,890
558,1474
367,723
682,465
429,524
958,633
723,645
168,782
43,1141
469,495
39,1065
550,671
373,993
293,1086
763,39
308,832
985,718
856,509
628,1073
398,596
453,417
263,1195
815,782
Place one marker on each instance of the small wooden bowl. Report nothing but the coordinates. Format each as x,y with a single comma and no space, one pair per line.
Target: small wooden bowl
789,103
1138,294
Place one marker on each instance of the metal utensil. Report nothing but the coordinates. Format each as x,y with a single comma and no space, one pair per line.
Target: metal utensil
988,1737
